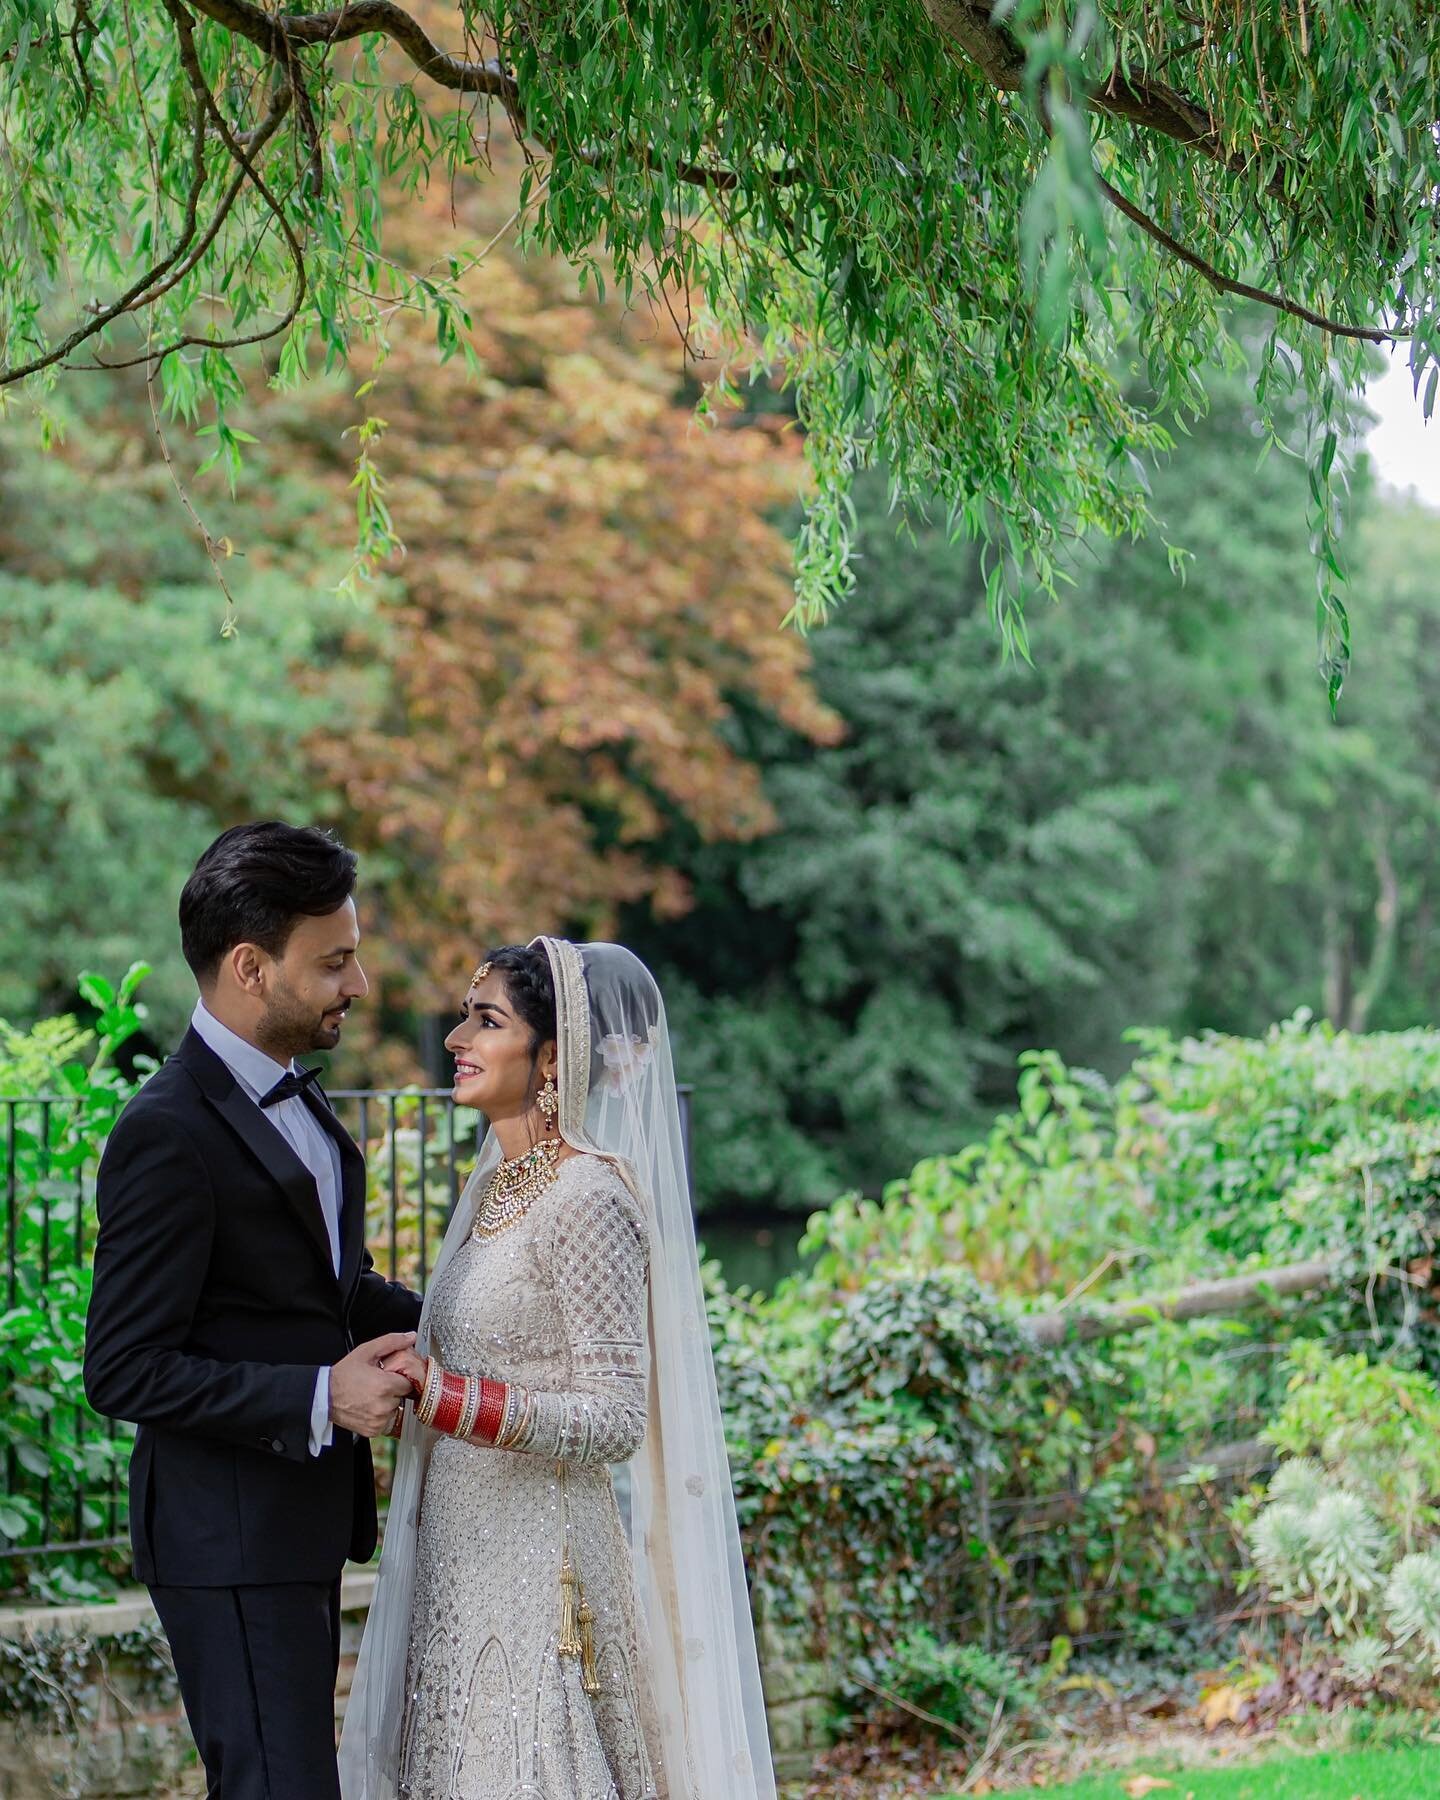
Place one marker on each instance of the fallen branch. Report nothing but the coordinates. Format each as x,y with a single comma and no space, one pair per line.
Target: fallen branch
1228,1294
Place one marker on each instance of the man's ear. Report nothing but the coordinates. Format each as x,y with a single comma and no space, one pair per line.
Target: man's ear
247,967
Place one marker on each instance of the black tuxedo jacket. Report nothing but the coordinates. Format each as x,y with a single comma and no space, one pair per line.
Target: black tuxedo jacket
215,1304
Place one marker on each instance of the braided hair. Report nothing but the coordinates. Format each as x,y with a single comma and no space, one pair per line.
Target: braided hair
530,988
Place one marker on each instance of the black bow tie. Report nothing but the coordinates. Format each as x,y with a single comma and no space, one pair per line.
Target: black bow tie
288,1086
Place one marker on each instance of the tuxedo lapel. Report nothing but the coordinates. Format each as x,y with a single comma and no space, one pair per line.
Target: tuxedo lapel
261,1139
352,1186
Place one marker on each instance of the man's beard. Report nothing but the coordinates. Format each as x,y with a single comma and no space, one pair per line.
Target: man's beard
291,1028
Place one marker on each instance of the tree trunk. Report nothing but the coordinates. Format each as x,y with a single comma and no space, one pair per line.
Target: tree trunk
1336,959
1387,921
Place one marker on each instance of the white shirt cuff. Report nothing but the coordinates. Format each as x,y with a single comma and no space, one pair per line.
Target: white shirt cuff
322,1432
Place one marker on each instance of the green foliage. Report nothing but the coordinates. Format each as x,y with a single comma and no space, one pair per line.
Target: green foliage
894,1425
128,737
1210,1154
1157,821
906,1460
51,1445
1048,1197
912,209
1247,1120
960,1684
1412,1606
1378,1423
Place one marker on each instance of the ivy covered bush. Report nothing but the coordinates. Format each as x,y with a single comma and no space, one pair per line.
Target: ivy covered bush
907,1461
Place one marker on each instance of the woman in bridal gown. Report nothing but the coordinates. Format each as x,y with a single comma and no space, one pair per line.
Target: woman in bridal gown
561,1610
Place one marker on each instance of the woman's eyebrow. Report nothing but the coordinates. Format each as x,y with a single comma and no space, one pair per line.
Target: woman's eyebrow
488,1006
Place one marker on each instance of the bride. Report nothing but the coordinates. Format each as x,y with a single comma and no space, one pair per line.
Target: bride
561,1610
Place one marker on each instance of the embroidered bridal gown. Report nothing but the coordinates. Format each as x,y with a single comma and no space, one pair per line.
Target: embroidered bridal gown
556,1303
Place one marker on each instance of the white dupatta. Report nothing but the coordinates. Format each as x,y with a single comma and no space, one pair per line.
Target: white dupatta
616,1085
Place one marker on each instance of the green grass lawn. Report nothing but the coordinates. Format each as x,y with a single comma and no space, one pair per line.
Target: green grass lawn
1349,1775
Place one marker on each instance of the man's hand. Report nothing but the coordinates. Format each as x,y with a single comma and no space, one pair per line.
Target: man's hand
363,1396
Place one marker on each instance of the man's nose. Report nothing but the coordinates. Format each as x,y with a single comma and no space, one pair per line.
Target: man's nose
357,987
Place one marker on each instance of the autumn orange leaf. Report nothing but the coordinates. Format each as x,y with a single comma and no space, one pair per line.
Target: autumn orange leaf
592,584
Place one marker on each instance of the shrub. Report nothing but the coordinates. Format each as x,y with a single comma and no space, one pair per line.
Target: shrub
52,1446
906,1459
1348,1531
960,1685
1211,1152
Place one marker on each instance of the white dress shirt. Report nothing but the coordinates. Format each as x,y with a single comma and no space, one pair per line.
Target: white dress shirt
256,1073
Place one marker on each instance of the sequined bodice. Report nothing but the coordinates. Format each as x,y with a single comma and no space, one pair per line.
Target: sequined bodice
556,1304
495,1311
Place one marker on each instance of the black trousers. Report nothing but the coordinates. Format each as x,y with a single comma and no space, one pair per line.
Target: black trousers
257,1669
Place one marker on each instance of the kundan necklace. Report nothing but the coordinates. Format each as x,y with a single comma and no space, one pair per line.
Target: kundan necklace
518,1182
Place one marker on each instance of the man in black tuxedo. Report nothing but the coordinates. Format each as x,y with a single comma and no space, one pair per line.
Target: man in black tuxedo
232,1288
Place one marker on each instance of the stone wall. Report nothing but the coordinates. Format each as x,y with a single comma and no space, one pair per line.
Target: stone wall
800,1700
100,1722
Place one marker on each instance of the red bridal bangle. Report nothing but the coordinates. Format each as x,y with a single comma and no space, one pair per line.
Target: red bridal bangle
449,1403
492,1410
463,1406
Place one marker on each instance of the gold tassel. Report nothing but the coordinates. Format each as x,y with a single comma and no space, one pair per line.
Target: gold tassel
589,1674
569,1644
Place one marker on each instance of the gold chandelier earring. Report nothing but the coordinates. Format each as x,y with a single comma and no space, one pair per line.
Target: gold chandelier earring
549,1103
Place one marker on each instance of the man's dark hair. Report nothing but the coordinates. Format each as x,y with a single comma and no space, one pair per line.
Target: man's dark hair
254,883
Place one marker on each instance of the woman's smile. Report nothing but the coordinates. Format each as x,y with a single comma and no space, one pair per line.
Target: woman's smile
467,1071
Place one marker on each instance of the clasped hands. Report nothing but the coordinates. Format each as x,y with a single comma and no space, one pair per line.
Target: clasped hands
368,1388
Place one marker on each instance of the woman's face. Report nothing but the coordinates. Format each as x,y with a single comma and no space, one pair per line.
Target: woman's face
491,1047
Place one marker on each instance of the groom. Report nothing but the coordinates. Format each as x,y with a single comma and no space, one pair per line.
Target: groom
237,1320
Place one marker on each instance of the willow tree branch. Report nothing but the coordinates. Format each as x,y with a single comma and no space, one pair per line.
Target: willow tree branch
281,34
1242,289
241,154
1000,58
106,315
254,142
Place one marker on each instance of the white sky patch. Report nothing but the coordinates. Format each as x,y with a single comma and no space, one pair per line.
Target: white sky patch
1404,448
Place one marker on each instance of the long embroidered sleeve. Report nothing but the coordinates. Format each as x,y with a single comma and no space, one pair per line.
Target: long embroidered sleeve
597,1274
